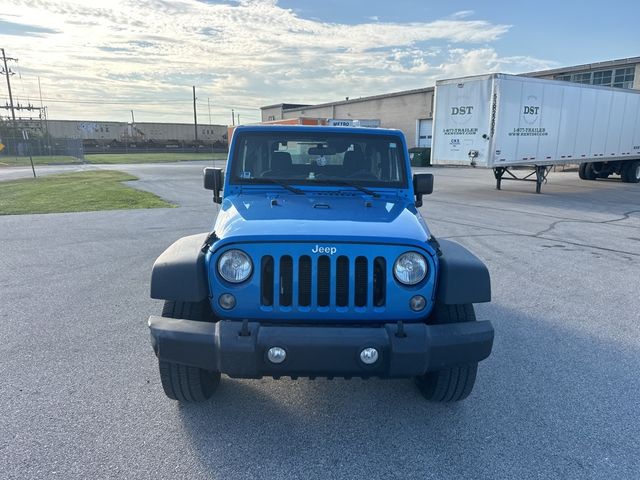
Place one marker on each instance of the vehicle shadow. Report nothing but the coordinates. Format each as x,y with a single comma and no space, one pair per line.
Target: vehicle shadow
550,402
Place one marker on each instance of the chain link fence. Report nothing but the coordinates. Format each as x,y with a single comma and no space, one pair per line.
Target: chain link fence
18,151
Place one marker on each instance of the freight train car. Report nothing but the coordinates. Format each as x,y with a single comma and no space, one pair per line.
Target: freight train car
178,132
104,132
95,134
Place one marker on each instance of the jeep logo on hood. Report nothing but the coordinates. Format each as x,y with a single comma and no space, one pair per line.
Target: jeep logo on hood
319,249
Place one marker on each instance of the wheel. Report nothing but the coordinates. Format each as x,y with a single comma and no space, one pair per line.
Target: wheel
183,382
454,383
187,384
631,172
581,172
589,173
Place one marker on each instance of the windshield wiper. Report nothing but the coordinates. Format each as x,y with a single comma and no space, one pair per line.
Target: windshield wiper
349,184
295,190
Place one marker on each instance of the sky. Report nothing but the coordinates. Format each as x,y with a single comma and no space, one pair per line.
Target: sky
99,60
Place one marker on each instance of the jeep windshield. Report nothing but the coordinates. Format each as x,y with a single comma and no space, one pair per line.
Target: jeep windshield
319,158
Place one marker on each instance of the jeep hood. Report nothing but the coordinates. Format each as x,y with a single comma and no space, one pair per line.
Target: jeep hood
319,217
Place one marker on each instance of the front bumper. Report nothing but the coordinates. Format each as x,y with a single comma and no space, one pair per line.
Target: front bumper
325,351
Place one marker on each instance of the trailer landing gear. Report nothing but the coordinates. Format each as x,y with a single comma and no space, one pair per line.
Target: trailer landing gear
540,172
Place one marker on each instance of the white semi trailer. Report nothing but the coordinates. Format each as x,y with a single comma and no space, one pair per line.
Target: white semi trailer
503,121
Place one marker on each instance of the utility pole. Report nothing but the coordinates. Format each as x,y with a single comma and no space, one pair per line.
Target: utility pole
233,117
195,115
8,73
133,119
209,108
43,120
43,113
238,119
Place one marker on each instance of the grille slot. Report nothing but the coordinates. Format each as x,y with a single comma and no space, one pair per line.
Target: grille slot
286,281
361,282
342,281
379,281
324,280
304,281
266,281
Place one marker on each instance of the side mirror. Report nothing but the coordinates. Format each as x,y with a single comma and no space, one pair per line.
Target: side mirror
213,180
422,185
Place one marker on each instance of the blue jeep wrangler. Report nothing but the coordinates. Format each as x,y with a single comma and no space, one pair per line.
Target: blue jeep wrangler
319,265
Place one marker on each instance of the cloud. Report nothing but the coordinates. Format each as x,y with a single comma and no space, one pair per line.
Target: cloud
463,14
23,30
146,54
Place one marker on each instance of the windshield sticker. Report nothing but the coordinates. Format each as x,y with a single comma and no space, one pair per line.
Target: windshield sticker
246,174
392,145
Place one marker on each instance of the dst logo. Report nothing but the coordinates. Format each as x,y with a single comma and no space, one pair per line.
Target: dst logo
531,110
460,110
467,110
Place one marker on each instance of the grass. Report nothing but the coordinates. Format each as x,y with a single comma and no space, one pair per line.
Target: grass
151,157
74,192
111,158
7,161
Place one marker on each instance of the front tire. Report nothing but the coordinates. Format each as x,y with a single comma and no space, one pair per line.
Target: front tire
183,382
454,383
187,384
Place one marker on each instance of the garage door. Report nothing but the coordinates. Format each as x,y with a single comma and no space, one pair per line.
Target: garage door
424,132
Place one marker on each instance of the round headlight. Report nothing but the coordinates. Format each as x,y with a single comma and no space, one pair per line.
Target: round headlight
235,266
410,268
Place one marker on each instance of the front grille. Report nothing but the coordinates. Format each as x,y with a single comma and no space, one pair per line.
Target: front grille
323,281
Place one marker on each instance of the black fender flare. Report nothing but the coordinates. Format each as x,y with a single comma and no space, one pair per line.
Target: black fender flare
179,273
463,278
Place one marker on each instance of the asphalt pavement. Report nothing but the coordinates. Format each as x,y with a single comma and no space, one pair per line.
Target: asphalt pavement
558,398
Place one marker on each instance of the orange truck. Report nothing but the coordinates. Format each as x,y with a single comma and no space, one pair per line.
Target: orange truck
284,121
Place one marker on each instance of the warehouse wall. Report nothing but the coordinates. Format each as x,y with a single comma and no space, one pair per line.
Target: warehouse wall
394,111
272,113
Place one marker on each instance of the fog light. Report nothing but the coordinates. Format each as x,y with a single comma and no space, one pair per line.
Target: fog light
369,356
417,303
276,355
227,301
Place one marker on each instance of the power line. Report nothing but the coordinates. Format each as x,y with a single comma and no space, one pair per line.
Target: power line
144,102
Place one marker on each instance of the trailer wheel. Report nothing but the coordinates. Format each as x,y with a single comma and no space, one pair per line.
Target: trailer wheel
589,172
581,171
455,383
631,172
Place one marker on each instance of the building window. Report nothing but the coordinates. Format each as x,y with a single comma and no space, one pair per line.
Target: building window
624,77
581,78
602,78
620,77
270,118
